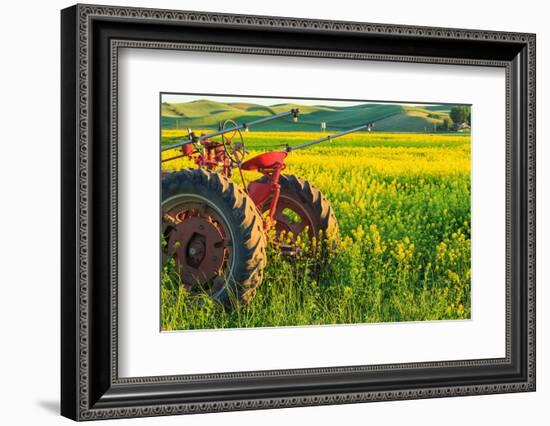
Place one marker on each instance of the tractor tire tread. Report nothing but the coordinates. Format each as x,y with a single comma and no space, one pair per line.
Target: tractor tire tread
245,220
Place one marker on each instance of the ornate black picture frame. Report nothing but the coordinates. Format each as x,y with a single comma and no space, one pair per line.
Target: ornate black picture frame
91,36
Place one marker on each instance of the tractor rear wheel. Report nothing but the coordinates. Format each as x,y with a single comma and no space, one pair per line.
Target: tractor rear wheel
302,206
214,233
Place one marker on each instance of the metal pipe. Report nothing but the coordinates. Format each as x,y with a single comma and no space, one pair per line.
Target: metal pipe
195,139
175,157
329,137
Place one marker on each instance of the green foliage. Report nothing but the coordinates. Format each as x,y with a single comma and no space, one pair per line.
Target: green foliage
461,114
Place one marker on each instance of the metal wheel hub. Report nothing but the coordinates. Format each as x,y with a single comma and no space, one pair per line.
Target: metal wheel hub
197,245
295,224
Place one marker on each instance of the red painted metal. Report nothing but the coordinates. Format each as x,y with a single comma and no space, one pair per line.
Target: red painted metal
212,156
187,150
270,164
199,241
260,191
287,224
274,179
267,160
197,245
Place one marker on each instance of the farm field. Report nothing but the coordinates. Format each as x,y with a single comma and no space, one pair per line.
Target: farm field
402,201
206,114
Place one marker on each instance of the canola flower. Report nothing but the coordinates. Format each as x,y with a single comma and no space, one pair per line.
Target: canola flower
403,206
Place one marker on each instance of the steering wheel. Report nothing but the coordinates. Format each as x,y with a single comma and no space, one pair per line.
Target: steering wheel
233,143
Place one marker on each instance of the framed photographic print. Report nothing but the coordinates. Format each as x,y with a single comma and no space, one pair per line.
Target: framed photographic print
263,212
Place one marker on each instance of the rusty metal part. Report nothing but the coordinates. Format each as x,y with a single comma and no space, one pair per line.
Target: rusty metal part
235,150
199,242
285,223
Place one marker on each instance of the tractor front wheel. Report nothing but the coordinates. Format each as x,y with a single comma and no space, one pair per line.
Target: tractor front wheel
214,233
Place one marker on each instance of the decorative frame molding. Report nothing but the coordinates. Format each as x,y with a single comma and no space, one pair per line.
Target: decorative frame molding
91,388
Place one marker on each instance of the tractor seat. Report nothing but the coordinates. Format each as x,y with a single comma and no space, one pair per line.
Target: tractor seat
267,160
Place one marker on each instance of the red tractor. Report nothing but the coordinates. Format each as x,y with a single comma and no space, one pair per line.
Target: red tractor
215,230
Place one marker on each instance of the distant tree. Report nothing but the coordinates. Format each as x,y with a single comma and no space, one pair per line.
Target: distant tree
460,114
446,123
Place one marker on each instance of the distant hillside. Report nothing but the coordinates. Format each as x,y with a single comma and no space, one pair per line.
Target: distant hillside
207,114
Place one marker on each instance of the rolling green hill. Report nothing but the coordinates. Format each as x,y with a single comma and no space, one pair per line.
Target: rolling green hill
207,114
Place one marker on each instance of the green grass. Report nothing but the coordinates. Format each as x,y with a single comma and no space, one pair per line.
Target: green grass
403,206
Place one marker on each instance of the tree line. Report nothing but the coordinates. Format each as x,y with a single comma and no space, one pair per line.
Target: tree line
458,116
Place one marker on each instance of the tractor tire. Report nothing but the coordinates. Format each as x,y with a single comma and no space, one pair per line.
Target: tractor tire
211,201
299,194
